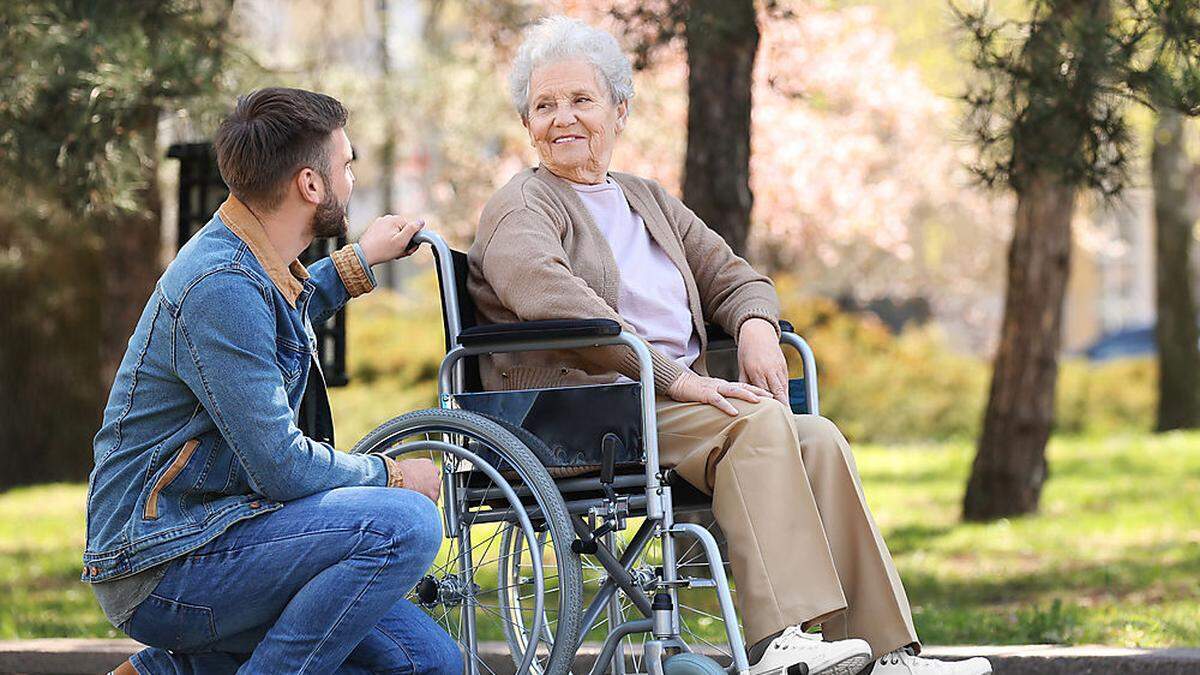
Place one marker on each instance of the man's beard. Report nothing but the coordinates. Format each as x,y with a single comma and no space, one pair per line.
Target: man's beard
330,219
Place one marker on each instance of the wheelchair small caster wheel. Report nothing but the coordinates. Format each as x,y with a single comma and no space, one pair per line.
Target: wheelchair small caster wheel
691,664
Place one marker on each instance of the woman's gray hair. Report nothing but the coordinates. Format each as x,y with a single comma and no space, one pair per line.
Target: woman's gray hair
561,38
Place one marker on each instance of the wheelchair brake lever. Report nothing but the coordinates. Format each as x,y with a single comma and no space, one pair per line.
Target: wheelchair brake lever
609,445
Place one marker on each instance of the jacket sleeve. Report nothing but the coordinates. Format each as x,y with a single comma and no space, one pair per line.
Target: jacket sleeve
731,291
227,358
343,275
524,263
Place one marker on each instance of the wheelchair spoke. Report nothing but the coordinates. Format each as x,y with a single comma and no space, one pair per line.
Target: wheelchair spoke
496,613
516,585
685,628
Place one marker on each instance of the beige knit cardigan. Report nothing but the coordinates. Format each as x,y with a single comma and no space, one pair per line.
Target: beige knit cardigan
538,255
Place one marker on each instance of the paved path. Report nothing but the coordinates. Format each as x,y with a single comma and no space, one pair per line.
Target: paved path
72,656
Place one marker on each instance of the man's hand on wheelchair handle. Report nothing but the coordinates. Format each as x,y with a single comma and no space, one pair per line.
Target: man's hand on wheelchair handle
389,238
422,475
691,387
760,360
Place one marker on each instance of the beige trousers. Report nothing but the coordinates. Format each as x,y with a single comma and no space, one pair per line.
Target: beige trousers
802,543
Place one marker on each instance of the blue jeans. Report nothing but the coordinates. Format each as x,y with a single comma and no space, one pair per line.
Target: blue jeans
316,586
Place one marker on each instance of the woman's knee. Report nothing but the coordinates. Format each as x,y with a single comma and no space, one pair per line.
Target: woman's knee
819,437
771,422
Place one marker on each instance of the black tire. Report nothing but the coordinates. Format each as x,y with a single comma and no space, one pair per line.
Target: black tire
518,462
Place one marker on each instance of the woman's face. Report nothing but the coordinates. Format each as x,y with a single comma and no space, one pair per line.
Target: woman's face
572,120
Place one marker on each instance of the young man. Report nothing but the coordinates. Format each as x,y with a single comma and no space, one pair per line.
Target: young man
218,534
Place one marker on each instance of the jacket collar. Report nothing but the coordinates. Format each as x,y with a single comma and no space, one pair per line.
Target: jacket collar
240,220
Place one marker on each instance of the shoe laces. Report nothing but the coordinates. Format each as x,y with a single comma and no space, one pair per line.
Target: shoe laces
904,655
790,638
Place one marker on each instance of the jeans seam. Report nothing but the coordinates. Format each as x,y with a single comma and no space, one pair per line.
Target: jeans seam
361,593
298,535
395,640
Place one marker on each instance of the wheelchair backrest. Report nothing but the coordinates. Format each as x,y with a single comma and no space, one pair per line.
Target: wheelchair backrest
458,309
458,314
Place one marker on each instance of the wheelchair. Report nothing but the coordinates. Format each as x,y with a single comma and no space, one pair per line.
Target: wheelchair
561,525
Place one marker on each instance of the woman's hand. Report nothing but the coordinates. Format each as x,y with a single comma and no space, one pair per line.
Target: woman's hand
389,238
691,387
760,360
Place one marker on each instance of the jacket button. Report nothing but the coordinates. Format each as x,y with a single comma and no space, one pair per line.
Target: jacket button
504,374
85,570
254,505
95,571
562,370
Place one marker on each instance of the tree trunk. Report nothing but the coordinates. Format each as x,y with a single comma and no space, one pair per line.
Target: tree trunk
1010,463
387,149
132,244
1176,331
722,39
50,303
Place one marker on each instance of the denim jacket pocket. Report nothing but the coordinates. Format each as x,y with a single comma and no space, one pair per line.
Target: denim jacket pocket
291,360
150,512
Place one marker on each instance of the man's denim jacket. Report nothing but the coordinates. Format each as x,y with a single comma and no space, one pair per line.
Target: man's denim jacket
199,431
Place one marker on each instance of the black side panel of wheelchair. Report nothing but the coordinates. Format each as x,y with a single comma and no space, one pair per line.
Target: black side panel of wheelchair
798,396
571,421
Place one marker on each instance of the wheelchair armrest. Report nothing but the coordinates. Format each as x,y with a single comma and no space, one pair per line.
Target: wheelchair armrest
719,339
524,331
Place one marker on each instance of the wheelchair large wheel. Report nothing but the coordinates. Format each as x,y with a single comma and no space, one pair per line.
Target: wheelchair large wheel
463,589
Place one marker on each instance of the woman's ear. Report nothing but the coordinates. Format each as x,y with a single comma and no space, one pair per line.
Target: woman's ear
310,186
622,115
528,131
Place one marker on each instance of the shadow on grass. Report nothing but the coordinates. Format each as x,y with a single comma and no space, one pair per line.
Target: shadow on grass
1141,569
908,477
914,537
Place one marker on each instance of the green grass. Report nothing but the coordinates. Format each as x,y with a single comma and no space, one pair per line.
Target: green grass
1113,557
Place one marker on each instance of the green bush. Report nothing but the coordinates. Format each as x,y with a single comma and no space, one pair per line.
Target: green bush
1111,396
881,387
877,386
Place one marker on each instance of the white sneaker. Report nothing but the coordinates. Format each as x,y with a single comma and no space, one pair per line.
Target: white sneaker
794,648
904,662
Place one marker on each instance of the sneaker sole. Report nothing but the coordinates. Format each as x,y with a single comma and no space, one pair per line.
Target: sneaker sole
850,665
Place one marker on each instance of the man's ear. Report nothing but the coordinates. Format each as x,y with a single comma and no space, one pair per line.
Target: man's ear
310,186
622,115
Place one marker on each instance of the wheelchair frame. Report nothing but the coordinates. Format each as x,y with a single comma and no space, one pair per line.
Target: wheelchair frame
661,613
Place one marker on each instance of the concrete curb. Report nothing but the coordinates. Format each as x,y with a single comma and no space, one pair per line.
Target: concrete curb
65,656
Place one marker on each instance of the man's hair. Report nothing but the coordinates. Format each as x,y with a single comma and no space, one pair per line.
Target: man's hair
271,134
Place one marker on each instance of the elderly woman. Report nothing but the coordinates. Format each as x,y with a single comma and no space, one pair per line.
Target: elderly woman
571,239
